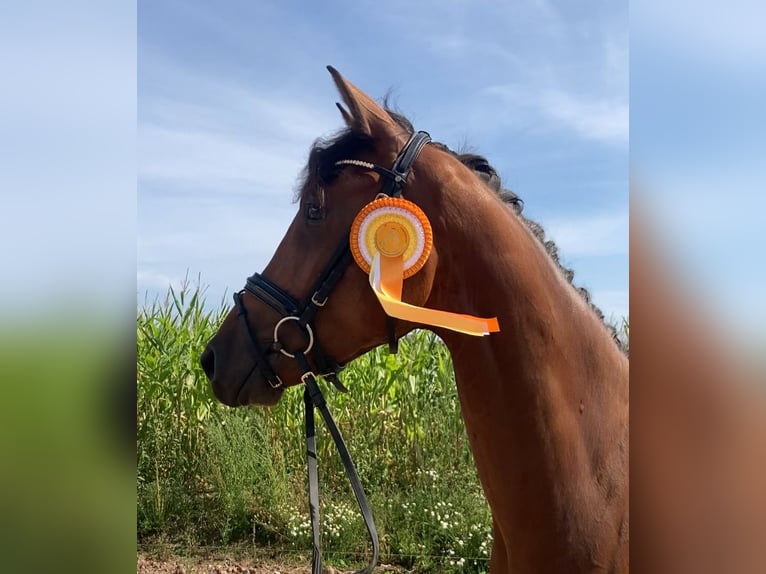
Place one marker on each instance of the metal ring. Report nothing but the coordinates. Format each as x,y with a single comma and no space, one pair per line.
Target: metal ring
308,330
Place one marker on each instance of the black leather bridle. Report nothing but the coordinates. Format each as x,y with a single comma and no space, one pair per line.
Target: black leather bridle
303,313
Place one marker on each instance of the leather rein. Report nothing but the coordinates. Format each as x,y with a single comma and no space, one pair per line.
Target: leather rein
303,313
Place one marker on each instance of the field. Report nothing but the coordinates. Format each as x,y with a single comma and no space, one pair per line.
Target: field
212,477
219,481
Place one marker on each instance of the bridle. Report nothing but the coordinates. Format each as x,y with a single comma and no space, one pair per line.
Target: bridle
303,313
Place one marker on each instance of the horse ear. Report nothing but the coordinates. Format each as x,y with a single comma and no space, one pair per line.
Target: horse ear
346,116
364,113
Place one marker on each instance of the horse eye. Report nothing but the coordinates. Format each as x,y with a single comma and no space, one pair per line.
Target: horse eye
314,212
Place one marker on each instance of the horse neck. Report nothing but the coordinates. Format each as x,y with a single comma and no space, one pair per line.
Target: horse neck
545,400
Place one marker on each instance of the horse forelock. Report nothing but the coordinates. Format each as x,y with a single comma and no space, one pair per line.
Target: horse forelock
320,170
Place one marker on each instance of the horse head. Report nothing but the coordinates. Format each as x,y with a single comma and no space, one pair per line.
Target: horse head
255,368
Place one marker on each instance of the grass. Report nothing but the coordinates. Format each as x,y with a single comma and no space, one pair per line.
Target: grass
211,475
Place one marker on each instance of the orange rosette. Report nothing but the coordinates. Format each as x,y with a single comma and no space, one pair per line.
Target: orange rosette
393,227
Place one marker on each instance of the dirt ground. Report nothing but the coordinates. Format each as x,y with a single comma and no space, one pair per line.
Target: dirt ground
222,565
206,566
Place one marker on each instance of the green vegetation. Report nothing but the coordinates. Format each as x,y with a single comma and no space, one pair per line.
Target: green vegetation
212,475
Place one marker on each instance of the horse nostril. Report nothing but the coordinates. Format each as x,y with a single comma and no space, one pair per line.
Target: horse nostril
207,360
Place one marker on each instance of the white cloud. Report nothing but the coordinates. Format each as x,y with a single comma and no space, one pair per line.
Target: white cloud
203,129
207,235
217,165
226,134
598,118
207,158
574,80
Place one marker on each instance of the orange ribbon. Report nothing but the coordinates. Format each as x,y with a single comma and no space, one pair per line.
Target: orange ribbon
387,279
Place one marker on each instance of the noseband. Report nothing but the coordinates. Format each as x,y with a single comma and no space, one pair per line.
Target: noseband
303,313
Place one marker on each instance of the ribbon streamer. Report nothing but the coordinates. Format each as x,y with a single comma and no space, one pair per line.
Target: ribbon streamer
387,279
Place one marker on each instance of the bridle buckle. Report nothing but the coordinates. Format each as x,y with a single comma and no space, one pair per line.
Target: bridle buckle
307,375
278,385
318,303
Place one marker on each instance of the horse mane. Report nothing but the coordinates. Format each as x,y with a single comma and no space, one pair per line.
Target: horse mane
321,170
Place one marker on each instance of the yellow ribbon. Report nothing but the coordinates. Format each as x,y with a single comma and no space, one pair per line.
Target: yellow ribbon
387,279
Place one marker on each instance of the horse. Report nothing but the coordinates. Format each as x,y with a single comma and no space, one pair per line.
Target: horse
544,398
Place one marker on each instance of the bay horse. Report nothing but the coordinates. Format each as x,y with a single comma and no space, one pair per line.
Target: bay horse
544,400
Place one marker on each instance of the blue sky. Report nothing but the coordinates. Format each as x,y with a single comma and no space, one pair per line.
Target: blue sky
231,95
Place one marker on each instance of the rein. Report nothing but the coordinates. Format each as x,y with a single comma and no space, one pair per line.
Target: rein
303,314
